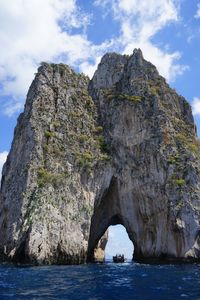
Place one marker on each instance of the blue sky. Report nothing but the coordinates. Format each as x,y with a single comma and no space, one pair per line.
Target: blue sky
80,32
118,243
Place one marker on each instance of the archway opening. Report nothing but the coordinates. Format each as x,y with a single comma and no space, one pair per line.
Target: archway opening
118,243
108,212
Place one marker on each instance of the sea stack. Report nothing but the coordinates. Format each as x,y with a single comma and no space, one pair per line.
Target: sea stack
119,149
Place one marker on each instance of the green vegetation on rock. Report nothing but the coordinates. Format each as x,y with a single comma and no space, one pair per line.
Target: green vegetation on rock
186,142
111,94
102,144
179,205
83,137
98,129
154,90
132,98
45,176
85,159
179,182
49,134
174,159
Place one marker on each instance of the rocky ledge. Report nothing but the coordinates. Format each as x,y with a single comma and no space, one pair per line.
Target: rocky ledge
119,149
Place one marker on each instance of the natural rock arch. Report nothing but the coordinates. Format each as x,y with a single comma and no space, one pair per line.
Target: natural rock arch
107,213
119,149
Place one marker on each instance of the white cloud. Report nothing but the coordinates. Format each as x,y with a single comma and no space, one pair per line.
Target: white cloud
32,31
139,23
196,106
197,15
165,62
3,156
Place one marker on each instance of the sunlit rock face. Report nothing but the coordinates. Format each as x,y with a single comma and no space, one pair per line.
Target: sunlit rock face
119,149
54,172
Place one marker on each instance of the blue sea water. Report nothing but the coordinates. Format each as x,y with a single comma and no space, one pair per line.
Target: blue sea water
101,281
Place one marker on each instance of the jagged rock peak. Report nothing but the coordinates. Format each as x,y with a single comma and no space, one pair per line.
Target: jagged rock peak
138,52
137,56
114,68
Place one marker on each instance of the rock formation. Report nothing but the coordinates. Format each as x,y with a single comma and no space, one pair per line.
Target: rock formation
119,149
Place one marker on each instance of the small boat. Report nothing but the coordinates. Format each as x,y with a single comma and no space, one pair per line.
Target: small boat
119,258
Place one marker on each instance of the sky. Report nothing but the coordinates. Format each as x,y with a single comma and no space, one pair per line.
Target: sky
118,243
79,32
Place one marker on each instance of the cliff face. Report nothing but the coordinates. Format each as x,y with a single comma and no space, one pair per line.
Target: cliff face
54,172
120,149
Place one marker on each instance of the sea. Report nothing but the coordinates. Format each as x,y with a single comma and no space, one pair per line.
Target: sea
107,281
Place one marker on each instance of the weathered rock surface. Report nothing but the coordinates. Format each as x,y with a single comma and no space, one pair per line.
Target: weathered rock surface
119,149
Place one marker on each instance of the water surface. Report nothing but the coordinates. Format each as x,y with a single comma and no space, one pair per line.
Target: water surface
101,281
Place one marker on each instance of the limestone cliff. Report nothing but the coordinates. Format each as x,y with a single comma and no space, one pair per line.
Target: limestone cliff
119,149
